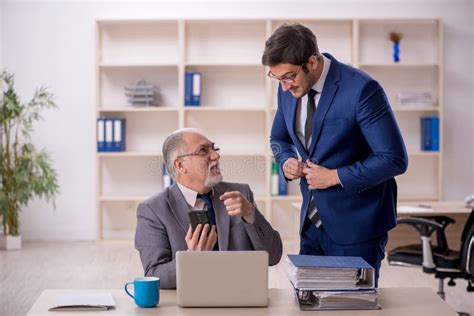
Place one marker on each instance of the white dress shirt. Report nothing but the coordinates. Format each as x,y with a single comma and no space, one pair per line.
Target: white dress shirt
301,109
198,204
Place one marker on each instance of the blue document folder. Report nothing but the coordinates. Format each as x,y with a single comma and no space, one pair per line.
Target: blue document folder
330,273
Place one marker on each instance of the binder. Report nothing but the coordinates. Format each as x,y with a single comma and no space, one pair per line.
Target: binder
275,178
167,180
434,133
100,135
425,124
109,137
337,300
333,282
118,135
188,89
326,273
282,184
196,96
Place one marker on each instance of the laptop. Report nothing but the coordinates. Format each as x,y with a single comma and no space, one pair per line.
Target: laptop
222,278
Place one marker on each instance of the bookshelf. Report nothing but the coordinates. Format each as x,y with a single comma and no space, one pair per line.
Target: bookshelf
238,103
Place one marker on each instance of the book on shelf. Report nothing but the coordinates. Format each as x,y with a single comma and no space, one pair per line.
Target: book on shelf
429,133
332,282
167,180
192,89
279,186
101,135
110,134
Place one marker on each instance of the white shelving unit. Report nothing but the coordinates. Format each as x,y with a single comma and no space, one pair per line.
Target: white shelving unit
239,102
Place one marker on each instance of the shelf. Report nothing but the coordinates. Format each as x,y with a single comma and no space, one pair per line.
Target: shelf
223,109
129,154
289,198
156,154
415,108
224,41
138,109
223,64
238,103
424,153
123,198
113,81
138,65
398,65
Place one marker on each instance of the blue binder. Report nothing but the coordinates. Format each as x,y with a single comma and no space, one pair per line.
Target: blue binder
282,184
425,124
118,135
100,135
188,89
109,134
196,97
167,180
330,265
434,133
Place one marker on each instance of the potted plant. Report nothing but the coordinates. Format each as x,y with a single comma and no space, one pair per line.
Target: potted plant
25,172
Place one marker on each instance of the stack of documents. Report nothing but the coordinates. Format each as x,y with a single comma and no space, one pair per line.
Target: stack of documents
143,94
414,98
331,282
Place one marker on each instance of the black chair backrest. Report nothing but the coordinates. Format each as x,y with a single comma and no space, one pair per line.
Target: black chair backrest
467,246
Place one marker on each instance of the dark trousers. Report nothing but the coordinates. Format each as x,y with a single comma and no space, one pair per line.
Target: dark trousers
316,241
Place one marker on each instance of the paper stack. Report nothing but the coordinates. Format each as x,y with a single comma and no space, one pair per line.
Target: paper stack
143,94
331,282
414,98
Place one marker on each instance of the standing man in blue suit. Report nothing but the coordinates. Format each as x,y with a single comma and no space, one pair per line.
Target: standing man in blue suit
338,120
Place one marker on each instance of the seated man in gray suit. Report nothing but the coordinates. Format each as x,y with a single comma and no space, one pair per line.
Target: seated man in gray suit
163,225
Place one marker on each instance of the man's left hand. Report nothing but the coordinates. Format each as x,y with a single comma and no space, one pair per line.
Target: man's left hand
237,204
319,177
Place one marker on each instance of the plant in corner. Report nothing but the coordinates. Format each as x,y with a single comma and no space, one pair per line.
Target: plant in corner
25,172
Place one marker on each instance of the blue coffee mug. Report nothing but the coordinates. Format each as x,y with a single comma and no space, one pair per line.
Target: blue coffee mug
146,291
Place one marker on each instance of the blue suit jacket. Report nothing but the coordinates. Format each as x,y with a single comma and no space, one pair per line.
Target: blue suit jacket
355,132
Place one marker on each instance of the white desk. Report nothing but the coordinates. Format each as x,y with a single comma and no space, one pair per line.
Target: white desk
394,302
428,208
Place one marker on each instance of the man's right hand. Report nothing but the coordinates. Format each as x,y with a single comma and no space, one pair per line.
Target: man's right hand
201,241
293,169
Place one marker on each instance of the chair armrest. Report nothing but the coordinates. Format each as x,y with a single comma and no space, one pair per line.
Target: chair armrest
426,226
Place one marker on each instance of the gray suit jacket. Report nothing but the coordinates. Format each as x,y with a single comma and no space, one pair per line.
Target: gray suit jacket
162,223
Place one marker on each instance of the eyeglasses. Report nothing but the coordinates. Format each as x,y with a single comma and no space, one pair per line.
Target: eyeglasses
288,78
203,151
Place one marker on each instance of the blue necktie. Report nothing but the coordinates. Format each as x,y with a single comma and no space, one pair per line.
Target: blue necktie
210,210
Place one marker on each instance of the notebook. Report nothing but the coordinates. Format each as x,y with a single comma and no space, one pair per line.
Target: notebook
83,302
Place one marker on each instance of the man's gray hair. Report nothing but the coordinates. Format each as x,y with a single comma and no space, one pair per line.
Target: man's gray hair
172,148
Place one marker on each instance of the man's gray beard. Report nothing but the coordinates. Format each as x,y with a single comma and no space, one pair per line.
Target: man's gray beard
212,181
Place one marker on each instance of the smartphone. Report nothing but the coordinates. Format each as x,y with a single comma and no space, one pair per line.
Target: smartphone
198,217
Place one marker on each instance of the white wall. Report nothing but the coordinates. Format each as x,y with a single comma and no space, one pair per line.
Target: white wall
52,43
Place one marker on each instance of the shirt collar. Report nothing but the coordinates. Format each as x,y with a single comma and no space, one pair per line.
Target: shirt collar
189,194
319,85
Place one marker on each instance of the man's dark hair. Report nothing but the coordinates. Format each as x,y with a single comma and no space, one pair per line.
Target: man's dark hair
290,44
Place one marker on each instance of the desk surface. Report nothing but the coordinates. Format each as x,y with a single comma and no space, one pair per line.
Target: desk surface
394,302
424,208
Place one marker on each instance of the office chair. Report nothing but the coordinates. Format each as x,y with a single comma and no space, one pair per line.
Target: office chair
438,260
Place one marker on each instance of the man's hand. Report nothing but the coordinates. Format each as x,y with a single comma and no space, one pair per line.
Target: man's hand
198,241
293,169
319,177
237,204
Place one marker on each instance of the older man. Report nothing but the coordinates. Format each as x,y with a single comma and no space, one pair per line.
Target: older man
163,225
